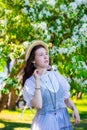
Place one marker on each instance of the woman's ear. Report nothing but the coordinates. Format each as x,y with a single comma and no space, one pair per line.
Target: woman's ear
33,62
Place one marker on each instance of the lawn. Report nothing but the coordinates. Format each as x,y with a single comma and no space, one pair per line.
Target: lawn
14,120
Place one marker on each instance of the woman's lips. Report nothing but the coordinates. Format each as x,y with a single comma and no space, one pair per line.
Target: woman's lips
46,61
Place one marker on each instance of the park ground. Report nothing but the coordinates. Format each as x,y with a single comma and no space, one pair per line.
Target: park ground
15,120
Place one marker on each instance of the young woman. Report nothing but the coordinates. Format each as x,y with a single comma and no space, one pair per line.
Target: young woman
47,91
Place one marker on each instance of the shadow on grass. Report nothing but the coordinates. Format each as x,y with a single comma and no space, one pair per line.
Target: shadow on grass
83,115
12,125
81,126
83,123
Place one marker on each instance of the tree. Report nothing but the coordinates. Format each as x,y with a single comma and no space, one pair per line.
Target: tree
60,23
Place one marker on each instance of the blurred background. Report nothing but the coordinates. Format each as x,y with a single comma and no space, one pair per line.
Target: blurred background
62,24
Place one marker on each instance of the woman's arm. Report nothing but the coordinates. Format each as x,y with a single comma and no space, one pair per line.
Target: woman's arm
69,103
37,99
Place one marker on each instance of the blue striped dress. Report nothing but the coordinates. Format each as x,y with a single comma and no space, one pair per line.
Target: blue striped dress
54,90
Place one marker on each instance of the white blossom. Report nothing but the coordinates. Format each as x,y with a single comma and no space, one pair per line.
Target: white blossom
75,38
44,12
58,21
82,39
2,22
71,49
82,64
54,67
83,28
26,44
47,13
69,79
42,25
78,2
63,50
84,82
35,26
73,5
31,10
84,18
79,81
51,29
8,11
40,15
59,28
39,2
51,2
32,17
0,49
48,37
3,75
26,2
63,8
75,30
73,59
80,34
25,10
84,2
12,64
54,50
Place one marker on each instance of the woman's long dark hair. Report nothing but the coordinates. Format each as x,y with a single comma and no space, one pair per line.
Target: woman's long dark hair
29,68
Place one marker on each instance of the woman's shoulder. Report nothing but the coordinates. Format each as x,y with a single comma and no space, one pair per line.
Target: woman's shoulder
59,76
56,74
52,72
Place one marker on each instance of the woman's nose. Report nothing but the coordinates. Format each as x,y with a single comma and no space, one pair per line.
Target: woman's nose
45,56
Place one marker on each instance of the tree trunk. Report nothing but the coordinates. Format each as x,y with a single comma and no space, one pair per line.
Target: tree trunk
79,95
3,101
12,99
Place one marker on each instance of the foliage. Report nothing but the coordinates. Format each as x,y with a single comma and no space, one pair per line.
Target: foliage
60,23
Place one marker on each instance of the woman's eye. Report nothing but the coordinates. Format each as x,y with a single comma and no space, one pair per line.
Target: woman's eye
41,54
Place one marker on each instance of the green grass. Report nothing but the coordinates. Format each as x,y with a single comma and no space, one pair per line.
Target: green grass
13,120
82,107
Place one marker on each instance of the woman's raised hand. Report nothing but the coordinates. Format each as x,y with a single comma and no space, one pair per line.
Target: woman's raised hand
36,74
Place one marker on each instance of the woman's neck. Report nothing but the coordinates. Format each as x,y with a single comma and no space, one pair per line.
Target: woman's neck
42,71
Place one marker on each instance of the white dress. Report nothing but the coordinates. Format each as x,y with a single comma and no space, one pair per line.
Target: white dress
54,90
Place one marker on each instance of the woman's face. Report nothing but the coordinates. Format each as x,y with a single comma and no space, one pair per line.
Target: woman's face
41,58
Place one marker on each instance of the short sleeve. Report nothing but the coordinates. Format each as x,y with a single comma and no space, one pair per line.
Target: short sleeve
28,91
65,85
